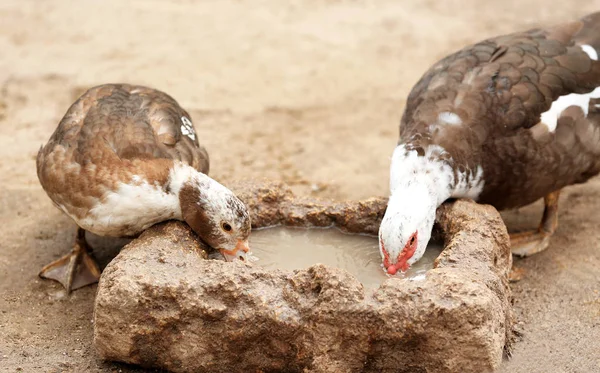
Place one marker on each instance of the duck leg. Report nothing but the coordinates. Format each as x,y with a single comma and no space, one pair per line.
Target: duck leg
531,242
76,269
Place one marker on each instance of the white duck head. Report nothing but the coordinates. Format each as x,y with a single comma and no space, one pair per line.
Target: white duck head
419,183
213,211
406,228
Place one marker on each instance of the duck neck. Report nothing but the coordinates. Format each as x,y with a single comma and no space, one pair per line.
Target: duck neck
194,190
184,177
425,175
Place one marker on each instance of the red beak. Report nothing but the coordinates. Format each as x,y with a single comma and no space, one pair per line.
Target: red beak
400,265
402,260
393,268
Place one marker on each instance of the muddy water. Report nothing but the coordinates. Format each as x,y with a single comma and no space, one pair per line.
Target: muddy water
297,248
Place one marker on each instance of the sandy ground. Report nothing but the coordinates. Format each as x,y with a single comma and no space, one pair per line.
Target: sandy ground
310,92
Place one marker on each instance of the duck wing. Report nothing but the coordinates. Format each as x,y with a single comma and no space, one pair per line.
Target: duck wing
132,123
504,84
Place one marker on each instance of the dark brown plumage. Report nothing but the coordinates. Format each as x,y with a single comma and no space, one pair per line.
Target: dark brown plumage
513,118
499,88
126,157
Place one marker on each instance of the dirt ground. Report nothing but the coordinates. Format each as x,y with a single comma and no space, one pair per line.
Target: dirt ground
310,92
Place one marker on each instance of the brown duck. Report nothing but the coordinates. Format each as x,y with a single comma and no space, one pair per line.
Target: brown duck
505,122
124,158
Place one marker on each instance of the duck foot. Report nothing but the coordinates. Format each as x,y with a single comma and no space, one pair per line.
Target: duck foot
76,269
524,244
528,243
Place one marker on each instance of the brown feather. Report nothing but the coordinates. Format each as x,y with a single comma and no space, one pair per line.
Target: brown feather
111,133
500,87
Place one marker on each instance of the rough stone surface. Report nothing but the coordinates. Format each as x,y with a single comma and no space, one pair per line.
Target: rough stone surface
272,203
160,303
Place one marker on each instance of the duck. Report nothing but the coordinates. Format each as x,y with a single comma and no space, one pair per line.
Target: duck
123,158
505,121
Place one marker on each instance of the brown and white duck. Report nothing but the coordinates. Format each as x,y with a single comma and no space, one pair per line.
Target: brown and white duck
504,122
124,158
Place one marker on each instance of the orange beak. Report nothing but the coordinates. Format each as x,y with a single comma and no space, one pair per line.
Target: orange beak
239,252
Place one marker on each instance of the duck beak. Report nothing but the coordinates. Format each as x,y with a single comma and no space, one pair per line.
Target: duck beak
239,252
401,266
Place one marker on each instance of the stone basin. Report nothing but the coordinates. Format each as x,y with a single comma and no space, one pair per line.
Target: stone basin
162,304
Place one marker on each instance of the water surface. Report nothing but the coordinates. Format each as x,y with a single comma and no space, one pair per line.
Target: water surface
298,248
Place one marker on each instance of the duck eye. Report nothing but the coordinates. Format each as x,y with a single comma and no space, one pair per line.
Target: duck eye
226,227
412,240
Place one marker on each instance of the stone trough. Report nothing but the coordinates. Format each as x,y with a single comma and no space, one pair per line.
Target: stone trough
162,304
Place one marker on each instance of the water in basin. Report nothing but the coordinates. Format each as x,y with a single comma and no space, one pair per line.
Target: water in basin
298,248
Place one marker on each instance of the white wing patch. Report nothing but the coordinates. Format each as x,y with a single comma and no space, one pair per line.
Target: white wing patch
448,117
187,128
590,52
550,117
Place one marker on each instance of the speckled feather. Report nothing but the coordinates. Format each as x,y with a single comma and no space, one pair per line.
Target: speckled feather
112,134
499,88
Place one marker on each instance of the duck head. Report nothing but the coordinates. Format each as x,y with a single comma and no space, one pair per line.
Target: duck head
217,216
405,230
419,183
